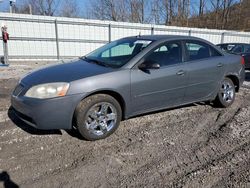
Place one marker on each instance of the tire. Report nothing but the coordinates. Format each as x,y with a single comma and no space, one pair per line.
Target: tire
226,94
98,116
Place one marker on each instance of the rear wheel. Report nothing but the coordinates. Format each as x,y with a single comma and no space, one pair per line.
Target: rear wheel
98,116
226,95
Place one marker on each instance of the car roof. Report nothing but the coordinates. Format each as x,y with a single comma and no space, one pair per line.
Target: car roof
164,37
233,43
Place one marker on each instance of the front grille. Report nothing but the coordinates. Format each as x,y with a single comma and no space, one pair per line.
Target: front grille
19,88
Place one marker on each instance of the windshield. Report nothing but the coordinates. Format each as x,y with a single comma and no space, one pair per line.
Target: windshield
118,53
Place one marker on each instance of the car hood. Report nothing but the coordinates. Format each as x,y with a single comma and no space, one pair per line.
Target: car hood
66,72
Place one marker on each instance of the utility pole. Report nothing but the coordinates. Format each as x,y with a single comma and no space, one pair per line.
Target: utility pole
12,6
30,9
188,12
142,11
180,12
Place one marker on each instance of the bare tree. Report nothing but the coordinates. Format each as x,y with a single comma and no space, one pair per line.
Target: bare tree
168,11
221,9
119,10
216,6
69,9
158,13
137,11
201,7
24,9
180,10
108,10
227,4
171,11
44,7
183,12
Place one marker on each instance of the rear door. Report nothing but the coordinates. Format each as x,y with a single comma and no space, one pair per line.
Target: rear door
246,56
158,88
205,70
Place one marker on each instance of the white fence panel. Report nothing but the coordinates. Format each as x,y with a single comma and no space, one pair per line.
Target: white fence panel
120,30
170,30
235,38
31,48
72,49
43,37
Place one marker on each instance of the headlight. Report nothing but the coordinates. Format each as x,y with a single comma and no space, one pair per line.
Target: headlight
50,90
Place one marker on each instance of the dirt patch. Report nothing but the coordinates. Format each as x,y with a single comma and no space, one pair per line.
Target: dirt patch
193,146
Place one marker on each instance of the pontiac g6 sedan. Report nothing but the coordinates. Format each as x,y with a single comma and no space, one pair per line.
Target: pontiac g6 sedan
125,78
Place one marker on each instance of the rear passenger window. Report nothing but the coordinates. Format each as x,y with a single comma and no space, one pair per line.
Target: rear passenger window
214,53
167,54
197,50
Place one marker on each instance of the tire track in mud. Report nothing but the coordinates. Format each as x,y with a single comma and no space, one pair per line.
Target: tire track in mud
73,161
225,158
215,136
77,166
221,132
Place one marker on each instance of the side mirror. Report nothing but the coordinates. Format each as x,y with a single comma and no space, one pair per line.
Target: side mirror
149,65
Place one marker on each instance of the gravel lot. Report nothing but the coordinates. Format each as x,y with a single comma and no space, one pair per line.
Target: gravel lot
192,146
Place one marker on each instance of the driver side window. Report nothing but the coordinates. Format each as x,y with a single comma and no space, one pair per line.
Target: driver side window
166,54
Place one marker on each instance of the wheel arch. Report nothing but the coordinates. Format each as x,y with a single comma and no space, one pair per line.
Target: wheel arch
113,94
235,80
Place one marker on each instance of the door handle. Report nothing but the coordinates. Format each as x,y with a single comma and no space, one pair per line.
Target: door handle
220,65
180,73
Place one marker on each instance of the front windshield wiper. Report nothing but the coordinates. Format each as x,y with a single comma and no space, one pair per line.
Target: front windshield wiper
94,61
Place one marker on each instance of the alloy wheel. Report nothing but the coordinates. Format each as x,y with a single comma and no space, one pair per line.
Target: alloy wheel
227,91
101,118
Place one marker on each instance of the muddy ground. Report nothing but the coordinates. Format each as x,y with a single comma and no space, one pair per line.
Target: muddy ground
192,146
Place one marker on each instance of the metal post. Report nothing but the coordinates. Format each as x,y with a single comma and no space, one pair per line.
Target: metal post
152,30
5,52
190,32
12,6
30,9
110,27
57,40
5,38
110,38
222,38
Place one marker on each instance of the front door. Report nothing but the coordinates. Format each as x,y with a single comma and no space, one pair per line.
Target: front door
152,89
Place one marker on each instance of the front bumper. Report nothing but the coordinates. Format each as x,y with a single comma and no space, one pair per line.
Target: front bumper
55,113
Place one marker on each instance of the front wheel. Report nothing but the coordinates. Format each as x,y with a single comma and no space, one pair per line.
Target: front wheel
98,116
226,94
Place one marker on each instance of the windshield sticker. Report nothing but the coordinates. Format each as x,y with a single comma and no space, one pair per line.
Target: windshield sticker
145,42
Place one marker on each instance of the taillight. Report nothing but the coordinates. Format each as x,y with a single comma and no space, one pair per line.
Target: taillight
242,61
